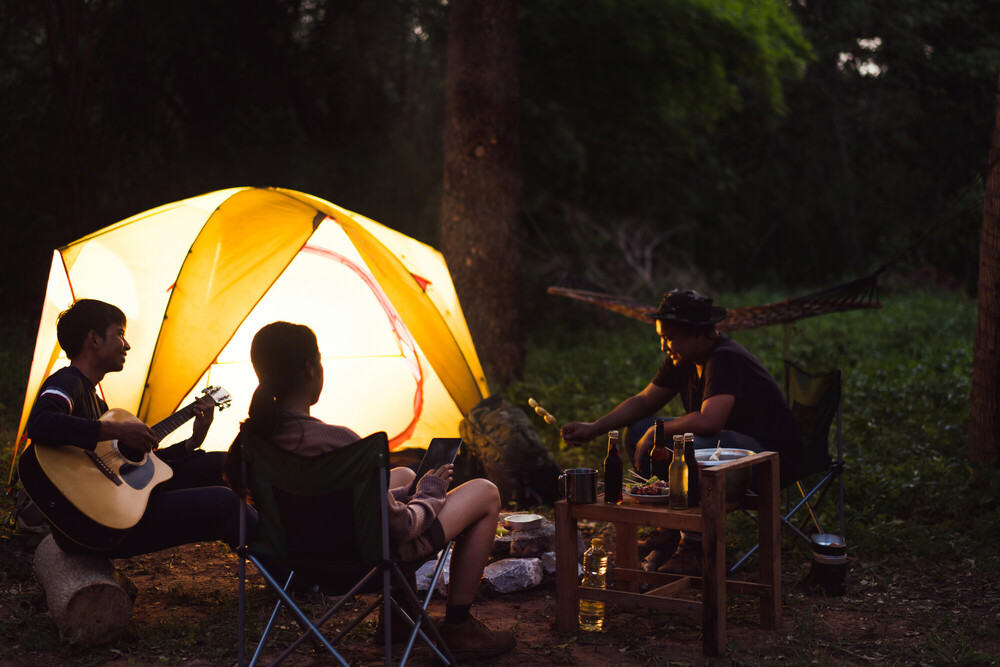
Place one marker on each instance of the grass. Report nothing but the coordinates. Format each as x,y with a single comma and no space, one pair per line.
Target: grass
914,518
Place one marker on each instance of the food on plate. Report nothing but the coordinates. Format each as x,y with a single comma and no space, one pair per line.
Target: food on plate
653,487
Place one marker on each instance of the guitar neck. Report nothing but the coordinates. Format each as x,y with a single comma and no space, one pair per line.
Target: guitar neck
173,422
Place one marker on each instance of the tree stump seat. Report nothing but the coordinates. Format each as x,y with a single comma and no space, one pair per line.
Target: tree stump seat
88,600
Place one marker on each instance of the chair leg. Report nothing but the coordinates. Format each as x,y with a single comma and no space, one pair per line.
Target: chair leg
821,488
286,599
809,508
241,611
422,615
333,610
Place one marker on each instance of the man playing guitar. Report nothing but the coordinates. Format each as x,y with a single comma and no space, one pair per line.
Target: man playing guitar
194,505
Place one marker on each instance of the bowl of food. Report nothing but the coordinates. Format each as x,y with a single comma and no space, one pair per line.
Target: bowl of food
737,481
522,521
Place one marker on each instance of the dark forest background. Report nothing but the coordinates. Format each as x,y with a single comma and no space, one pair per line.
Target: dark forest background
721,144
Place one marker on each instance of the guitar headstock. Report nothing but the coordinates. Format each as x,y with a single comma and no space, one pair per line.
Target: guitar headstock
219,396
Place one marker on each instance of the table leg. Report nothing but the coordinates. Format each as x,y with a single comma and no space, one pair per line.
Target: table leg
567,600
713,546
769,537
626,553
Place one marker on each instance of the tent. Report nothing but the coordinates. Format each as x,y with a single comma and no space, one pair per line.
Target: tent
197,278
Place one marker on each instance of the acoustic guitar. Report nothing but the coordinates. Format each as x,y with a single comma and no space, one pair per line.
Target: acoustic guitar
94,497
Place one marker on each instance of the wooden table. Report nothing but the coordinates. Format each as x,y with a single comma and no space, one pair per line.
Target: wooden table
710,519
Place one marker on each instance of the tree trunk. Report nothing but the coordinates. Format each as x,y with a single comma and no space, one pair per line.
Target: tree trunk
984,403
481,182
70,37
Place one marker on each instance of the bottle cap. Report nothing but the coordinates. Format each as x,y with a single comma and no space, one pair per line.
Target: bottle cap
613,434
689,436
597,542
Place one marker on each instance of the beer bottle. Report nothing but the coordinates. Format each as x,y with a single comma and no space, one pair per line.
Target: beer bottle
659,457
678,476
613,471
694,474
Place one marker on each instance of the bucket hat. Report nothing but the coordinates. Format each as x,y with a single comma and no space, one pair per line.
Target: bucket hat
688,307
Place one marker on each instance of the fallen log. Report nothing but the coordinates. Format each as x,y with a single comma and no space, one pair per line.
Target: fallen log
89,602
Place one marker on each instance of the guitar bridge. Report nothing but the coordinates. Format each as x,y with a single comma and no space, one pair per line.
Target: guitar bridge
103,467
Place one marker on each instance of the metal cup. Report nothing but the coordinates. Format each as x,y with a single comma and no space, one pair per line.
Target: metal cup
579,485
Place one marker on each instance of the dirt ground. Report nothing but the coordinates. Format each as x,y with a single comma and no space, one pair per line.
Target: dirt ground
188,591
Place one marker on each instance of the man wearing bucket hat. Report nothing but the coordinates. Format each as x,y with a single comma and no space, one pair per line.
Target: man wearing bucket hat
729,399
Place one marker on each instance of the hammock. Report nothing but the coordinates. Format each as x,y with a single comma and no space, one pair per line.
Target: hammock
853,295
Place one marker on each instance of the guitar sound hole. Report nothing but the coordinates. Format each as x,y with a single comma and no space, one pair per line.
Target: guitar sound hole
133,455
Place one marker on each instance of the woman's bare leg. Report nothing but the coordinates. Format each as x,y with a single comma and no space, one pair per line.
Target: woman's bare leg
399,477
469,516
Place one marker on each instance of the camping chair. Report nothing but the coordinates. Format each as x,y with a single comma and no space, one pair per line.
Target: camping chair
814,400
324,527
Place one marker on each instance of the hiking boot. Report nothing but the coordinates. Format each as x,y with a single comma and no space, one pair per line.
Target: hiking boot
472,639
686,560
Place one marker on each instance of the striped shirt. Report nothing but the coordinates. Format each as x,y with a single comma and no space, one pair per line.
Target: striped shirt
66,411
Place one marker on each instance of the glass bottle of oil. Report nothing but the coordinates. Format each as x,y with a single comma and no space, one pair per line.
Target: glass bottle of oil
595,567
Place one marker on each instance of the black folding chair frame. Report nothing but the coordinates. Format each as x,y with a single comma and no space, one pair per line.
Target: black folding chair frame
387,568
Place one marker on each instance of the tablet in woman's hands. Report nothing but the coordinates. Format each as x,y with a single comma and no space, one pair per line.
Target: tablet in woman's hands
440,452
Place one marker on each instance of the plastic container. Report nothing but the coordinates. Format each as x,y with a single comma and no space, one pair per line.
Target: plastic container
595,568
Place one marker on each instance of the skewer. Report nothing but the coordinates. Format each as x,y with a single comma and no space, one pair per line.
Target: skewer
636,478
542,412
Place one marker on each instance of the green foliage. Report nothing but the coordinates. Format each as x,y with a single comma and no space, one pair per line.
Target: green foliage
906,382
621,105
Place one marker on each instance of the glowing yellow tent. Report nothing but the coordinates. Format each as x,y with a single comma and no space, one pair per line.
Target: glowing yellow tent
197,278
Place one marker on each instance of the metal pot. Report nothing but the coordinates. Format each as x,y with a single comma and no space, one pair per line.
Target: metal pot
829,566
579,485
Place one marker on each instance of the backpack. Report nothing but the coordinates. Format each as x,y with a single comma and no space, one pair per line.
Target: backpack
502,445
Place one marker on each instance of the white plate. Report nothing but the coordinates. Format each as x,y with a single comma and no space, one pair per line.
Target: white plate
652,500
522,521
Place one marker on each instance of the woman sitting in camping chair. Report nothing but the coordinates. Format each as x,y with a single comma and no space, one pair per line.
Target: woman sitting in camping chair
286,360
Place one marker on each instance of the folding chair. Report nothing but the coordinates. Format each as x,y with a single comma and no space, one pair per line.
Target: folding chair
814,400
324,527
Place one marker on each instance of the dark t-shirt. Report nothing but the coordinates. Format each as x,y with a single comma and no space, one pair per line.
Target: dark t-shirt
759,410
66,411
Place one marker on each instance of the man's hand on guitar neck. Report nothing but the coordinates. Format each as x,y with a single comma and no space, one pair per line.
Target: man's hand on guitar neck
132,434
204,413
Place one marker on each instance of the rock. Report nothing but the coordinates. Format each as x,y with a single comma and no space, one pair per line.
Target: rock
533,542
501,546
549,562
514,574
425,572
